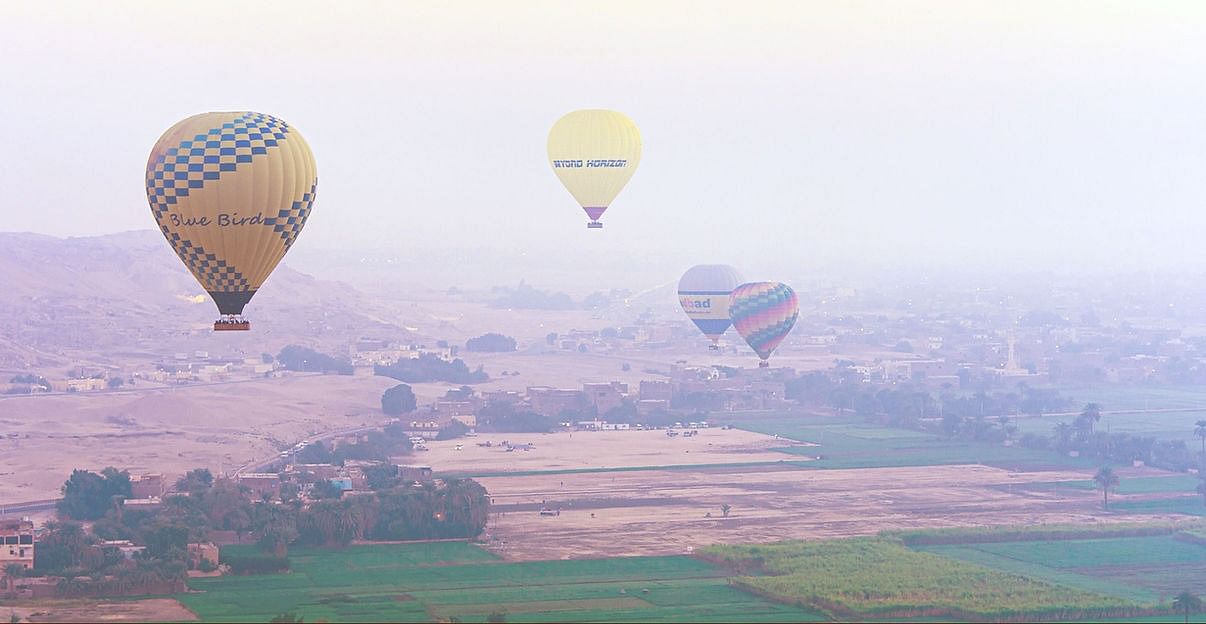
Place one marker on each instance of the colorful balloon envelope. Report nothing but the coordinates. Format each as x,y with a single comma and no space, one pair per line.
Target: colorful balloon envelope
231,192
703,292
594,153
764,313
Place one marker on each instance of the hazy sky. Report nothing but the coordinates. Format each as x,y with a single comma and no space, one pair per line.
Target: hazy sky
794,134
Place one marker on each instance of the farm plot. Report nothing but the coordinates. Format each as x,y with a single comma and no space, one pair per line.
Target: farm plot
881,577
1147,569
841,444
426,582
1189,505
673,512
1171,484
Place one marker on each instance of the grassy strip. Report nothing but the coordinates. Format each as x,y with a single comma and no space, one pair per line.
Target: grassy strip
1067,578
1188,505
1139,485
1043,532
425,582
852,445
677,467
881,577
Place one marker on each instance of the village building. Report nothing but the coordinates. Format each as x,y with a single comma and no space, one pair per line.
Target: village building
17,543
147,486
200,552
261,483
605,396
421,474
548,401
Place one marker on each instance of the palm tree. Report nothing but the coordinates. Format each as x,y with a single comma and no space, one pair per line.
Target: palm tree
12,572
1063,436
1187,603
1088,416
1106,480
725,509
1199,429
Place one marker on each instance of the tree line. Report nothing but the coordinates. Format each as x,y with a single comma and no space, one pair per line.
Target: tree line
306,360
428,367
392,509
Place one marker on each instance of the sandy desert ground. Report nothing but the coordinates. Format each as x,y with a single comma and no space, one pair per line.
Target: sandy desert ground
674,511
173,430
629,512
602,449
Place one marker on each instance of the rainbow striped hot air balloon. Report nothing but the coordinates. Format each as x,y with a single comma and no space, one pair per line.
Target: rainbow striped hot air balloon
764,313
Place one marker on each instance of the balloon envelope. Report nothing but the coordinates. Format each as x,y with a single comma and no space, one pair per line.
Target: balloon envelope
594,153
764,313
231,191
703,292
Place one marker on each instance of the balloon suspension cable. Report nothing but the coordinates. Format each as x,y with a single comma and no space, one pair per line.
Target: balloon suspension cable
232,322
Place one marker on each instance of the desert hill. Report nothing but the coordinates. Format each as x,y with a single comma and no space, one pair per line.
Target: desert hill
88,300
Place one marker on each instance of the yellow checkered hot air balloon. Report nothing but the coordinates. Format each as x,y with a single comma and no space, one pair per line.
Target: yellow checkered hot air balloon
231,192
594,153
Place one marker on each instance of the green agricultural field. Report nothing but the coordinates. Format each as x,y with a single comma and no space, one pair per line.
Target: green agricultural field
881,577
1190,505
1042,532
425,582
1174,484
1114,396
1160,425
1145,570
843,444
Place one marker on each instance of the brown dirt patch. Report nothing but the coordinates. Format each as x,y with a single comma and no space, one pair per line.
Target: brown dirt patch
666,512
602,449
151,610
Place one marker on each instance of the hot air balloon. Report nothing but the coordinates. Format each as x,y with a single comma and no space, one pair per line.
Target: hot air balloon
764,313
594,153
231,192
704,292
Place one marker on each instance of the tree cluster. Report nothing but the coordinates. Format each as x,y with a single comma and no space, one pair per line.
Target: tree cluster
491,343
454,509
372,446
1081,436
398,400
428,367
395,510
454,429
504,418
524,297
88,495
306,360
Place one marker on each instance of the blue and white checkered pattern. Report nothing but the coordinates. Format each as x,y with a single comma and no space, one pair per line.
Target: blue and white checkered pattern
206,156
203,158
220,276
288,223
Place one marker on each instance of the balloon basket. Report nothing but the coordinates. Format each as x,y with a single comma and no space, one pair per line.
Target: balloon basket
714,348
763,364
232,326
594,225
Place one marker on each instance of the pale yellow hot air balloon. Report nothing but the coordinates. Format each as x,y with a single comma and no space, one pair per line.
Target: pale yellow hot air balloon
594,153
231,192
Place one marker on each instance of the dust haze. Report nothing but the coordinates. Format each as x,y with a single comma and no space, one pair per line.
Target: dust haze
991,214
